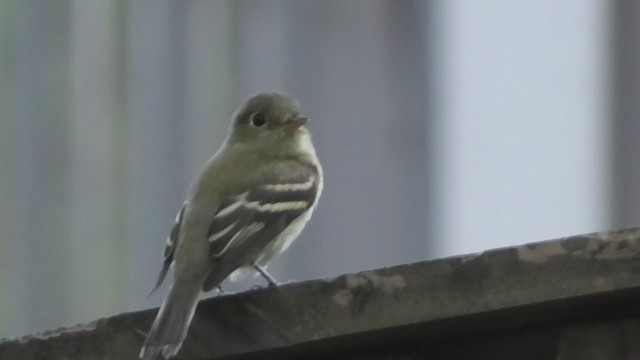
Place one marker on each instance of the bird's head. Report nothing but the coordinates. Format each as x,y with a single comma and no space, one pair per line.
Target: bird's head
271,122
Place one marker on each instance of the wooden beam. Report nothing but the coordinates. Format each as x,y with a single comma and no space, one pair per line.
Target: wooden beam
579,278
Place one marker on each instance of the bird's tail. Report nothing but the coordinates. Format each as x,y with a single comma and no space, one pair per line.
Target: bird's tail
172,322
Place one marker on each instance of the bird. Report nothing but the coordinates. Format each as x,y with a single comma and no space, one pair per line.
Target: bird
247,205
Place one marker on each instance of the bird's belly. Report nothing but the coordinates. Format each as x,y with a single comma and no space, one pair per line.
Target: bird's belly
285,239
276,247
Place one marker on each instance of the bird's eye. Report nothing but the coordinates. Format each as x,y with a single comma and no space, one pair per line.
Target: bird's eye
258,119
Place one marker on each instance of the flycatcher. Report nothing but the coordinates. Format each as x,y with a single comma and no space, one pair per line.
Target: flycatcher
247,205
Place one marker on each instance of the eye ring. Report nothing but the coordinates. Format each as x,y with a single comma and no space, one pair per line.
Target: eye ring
258,119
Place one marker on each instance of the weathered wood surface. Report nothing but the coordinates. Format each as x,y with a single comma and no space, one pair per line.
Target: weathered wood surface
563,299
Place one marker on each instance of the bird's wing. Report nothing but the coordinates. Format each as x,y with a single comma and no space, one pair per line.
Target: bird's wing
170,248
246,223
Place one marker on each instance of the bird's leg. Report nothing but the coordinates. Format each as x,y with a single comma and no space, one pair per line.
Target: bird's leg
220,291
270,279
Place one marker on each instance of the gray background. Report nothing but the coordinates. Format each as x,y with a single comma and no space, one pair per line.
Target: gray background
445,127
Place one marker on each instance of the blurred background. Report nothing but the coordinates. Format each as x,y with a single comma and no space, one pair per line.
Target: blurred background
445,127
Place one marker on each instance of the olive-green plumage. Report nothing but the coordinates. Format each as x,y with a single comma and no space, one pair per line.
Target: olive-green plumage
247,205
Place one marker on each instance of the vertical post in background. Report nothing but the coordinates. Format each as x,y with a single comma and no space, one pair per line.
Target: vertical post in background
154,136
12,252
210,66
35,161
522,124
96,245
357,66
261,47
412,90
625,111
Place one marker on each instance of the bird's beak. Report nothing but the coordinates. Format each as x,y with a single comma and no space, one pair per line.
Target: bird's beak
295,122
